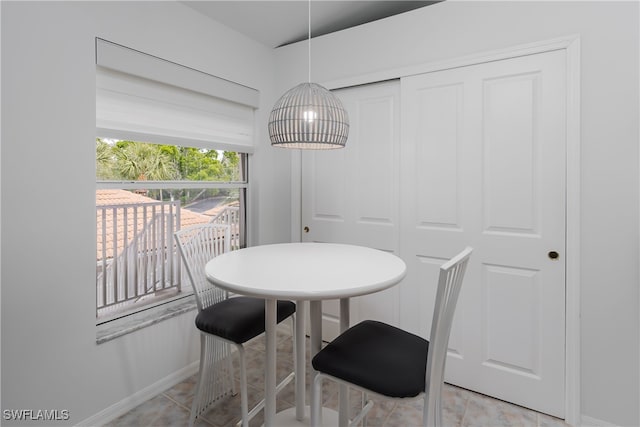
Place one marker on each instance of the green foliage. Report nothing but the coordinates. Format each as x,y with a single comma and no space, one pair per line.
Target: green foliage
200,165
104,160
139,161
144,162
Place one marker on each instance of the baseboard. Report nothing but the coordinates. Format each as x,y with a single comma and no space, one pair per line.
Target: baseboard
130,402
593,422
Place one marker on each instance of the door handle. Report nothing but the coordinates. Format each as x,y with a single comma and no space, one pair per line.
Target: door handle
553,255
306,229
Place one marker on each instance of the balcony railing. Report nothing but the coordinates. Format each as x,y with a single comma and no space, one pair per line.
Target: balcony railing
230,216
137,259
136,256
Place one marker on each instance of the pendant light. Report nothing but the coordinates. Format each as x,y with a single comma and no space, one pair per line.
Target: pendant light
309,116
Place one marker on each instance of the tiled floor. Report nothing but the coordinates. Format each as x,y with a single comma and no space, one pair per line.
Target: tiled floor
461,408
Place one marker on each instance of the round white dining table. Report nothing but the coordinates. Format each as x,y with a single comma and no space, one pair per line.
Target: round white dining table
303,272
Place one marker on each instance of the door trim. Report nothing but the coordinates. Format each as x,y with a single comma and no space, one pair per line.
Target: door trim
571,45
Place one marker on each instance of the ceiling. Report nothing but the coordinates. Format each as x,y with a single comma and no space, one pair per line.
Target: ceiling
277,23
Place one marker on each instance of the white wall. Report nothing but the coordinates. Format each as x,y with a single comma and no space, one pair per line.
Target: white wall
49,356
0,206
609,127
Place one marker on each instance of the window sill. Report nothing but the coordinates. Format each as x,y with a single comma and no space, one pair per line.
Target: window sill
117,328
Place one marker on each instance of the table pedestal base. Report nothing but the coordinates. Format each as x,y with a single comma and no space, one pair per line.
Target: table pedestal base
287,418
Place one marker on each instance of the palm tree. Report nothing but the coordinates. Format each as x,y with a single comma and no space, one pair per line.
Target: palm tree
139,161
144,162
104,160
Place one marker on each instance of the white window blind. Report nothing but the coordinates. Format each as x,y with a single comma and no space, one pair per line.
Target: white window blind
145,98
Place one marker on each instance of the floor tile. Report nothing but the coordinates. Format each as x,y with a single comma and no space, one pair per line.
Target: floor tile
183,392
460,407
549,421
157,412
483,411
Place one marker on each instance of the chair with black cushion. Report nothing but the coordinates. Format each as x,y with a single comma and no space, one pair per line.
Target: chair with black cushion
380,359
223,321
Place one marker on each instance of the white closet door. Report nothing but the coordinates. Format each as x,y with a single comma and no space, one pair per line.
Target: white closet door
351,195
483,164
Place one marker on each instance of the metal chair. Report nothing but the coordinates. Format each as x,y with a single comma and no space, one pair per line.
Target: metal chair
222,321
381,359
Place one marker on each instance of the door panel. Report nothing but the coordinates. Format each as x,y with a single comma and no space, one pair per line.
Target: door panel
492,137
438,206
351,195
329,196
509,293
481,162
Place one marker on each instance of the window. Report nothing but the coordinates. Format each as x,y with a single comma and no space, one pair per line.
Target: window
144,193
172,150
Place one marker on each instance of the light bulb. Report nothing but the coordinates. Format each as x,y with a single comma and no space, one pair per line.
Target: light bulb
309,116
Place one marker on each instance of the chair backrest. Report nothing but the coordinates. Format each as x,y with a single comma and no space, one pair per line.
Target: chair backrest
198,244
449,284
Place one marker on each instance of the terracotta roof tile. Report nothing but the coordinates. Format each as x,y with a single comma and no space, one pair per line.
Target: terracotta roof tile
136,221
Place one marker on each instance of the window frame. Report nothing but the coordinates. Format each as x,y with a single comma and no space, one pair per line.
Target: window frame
160,83
186,289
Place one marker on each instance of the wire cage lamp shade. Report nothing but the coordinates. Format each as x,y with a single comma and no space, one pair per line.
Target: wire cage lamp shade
309,116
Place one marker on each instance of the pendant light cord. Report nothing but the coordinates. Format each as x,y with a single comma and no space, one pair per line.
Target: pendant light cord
309,41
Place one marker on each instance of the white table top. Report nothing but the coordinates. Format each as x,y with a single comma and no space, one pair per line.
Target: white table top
305,271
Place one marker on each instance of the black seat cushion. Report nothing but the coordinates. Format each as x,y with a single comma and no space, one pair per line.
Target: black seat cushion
378,357
239,319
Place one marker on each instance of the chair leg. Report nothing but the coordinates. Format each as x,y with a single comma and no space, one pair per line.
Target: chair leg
365,401
215,378
438,412
201,379
231,372
362,416
244,399
432,415
316,402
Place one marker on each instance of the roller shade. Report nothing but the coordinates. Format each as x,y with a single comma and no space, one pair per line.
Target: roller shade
145,98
